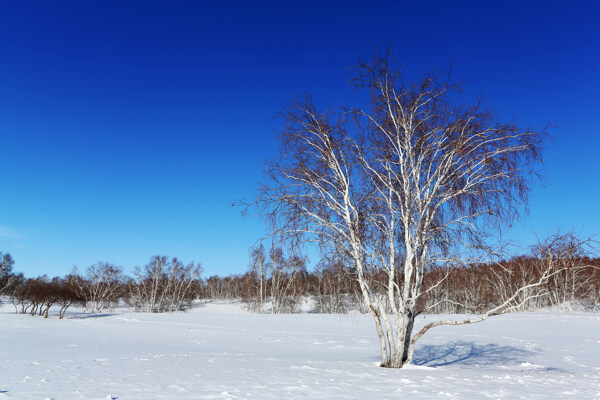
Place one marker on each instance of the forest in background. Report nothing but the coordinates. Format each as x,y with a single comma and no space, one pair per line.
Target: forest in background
277,283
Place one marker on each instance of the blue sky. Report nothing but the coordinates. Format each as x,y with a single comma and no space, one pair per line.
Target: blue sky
127,129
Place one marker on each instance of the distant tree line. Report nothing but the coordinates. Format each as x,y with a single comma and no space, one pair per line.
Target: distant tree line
559,272
527,282
276,283
162,285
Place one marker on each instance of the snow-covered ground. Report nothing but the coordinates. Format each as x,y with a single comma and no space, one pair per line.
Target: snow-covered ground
219,351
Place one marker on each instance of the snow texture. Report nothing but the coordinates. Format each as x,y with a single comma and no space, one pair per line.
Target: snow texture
219,351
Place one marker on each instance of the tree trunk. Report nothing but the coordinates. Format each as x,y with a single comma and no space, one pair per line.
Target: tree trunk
406,353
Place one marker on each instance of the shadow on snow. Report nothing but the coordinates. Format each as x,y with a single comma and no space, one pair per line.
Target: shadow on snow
468,353
89,315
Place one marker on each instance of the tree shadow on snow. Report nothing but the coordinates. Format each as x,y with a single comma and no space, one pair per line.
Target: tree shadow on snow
86,316
468,353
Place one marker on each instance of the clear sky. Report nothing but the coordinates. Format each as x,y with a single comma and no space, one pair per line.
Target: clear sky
127,129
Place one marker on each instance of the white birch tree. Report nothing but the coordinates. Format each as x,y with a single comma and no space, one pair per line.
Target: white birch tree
8,279
101,287
164,285
258,270
415,180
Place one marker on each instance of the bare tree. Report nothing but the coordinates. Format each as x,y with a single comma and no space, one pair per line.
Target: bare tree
21,299
258,273
8,279
68,293
277,276
335,288
283,274
164,285
415,181
101,287
38,295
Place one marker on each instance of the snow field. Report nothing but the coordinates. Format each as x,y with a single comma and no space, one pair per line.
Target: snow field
219,351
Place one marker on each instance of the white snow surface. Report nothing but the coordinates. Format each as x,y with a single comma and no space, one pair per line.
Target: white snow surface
220,351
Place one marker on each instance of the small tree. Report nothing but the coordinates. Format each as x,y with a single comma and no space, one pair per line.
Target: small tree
101,287
20,297
256,301
68,293
283,274
8,280
36,295
164,285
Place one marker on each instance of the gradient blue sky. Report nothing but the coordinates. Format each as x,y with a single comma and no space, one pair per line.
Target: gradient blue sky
127,129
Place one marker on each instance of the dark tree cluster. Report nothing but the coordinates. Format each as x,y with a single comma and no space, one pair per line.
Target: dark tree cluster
37,295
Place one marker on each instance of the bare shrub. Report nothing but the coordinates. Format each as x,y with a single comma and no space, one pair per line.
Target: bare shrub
164,285
275,278
283,273
102,286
